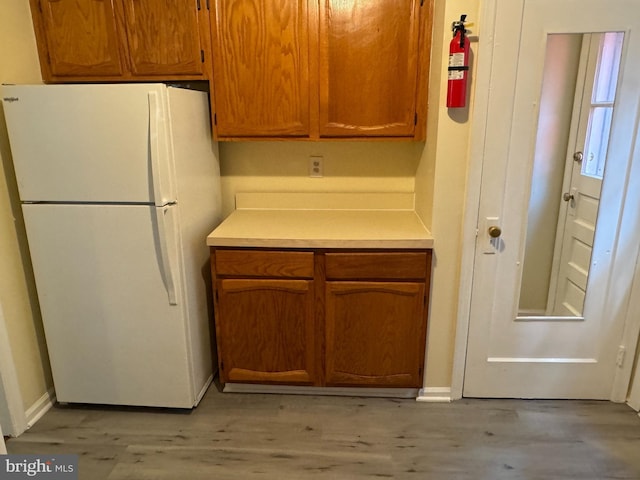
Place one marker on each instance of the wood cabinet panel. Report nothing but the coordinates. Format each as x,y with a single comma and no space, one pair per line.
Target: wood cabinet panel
388,265
264,263
266,331
80,37
164,37
375,334
261,69
369,54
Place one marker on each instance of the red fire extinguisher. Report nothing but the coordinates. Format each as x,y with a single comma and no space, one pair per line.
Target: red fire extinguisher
458,65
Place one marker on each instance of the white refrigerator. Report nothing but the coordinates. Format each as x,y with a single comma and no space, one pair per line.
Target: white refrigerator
120,185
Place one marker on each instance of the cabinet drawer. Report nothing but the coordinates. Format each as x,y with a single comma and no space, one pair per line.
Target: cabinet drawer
392,265
264,263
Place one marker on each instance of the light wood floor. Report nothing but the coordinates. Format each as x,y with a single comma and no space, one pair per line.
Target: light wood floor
249,436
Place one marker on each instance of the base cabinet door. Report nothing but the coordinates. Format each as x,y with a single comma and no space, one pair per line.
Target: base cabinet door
375,333
266,331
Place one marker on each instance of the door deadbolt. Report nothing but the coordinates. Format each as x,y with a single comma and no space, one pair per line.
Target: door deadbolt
494,231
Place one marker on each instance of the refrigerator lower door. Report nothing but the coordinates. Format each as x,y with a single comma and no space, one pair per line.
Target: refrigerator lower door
108,280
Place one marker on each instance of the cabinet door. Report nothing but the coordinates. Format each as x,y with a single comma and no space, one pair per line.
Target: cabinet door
80,35
260,68
369,51
375,333
164,37
266,331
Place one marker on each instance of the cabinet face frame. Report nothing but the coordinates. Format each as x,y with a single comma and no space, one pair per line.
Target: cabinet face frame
359,272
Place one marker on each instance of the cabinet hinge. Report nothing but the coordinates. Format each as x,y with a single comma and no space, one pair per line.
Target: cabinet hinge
208,7
198,3
415,119
202,55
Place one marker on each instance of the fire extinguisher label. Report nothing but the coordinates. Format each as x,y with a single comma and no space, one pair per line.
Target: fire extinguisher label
456,60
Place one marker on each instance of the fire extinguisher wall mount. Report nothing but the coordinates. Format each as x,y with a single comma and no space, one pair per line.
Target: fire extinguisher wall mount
458,70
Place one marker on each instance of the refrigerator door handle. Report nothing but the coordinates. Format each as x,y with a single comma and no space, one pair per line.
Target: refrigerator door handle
164,255
155,126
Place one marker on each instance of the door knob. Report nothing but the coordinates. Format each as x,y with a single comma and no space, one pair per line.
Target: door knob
567,196
494,231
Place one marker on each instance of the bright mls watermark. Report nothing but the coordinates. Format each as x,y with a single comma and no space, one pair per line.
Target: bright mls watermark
51,467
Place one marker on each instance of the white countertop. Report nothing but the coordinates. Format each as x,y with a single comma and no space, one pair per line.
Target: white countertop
299,221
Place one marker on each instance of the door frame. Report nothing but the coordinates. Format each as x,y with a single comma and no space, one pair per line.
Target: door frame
484,72
13,418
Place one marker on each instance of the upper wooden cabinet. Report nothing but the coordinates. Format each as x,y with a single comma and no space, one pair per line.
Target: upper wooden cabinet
122,40
261,74
369,59
321,69
78,38
164,37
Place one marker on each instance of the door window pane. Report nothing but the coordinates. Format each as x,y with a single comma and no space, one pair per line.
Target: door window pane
597,141
601,110
608,66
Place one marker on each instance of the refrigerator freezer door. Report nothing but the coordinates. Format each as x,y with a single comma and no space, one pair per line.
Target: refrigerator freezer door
112,333
89,143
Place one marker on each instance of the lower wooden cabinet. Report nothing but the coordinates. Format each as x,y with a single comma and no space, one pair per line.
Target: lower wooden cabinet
321,317
374,334
266,330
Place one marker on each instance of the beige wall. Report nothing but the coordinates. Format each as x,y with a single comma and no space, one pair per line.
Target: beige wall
348,167
441,188
19,64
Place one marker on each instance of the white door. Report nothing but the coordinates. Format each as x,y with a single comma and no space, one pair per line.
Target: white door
112,306
509,355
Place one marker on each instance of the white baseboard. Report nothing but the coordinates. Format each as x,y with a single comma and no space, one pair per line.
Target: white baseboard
434,395
40,407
